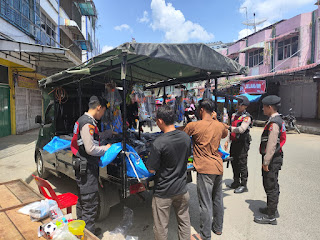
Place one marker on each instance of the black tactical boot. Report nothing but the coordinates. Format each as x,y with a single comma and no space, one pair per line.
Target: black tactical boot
241,189
234,185
265,211
268,219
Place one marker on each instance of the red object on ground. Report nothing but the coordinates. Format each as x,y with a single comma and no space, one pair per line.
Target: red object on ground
65,200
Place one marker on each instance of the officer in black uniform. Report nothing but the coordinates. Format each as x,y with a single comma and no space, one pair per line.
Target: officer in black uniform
86,149
272,140
240,138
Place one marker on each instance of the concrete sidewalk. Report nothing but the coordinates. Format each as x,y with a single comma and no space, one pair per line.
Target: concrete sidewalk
311,126
17,156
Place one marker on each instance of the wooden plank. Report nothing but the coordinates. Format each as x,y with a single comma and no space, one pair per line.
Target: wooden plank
23,193
7,198
8,230
89,235
16,206
27,228
36,192
12,181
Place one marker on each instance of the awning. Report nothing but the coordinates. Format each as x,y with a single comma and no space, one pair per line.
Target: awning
87,8
153,65
45,59
287,35
74,28
256,46
233,55
84,45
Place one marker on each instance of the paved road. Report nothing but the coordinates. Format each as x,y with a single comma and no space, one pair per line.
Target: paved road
299,199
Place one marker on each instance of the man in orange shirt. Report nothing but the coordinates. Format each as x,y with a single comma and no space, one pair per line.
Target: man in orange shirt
206,136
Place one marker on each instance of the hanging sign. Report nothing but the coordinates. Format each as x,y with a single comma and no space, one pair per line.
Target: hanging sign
253,87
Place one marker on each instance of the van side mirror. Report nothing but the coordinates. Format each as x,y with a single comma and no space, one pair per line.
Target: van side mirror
38,119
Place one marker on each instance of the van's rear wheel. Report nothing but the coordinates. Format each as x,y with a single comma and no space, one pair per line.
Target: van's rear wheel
104,205
41,170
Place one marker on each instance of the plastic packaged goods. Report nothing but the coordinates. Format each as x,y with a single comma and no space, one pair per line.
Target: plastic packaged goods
225,116
112,94
55,211
117,121
26,209
65,234
151,106
42,209
56,229
207,94
179,109
142,112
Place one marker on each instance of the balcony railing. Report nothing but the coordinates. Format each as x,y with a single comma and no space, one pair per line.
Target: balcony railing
19,14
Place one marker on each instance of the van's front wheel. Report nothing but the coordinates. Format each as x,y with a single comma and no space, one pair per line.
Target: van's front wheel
41,170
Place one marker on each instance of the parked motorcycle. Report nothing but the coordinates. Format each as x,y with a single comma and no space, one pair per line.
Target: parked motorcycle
189,116
291,121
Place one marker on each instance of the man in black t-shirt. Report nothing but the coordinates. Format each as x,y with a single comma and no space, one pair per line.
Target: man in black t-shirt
168,159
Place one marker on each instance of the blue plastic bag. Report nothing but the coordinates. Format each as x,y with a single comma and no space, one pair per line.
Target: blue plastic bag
110,154
140,168
137,162
57,144
223,153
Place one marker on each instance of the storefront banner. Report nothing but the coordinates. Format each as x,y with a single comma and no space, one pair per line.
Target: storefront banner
253,87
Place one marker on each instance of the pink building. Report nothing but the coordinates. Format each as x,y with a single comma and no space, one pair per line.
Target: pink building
286,55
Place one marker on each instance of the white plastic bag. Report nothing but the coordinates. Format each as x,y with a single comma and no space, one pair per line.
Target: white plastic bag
64,234
42,210
26,209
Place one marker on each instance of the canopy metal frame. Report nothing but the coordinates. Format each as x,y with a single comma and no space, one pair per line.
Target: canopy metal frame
154,65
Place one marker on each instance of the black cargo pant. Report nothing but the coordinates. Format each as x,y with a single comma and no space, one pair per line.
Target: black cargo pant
271,185
88,201
239,152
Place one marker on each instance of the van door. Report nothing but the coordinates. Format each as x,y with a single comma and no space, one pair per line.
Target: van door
47,132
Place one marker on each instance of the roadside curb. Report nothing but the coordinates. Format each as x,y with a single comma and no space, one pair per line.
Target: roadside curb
259,123
309,129
302,128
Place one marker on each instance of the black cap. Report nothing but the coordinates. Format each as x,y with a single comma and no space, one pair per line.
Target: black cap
100,100
271,100
243,100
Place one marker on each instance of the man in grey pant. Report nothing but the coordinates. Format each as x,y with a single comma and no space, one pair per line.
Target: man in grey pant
168,159
211,203
206,136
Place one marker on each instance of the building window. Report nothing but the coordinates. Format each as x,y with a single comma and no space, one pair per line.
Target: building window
255,58
287,48
19,13
48,31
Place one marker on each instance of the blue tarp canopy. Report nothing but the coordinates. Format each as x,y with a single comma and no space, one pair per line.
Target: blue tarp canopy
252,98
